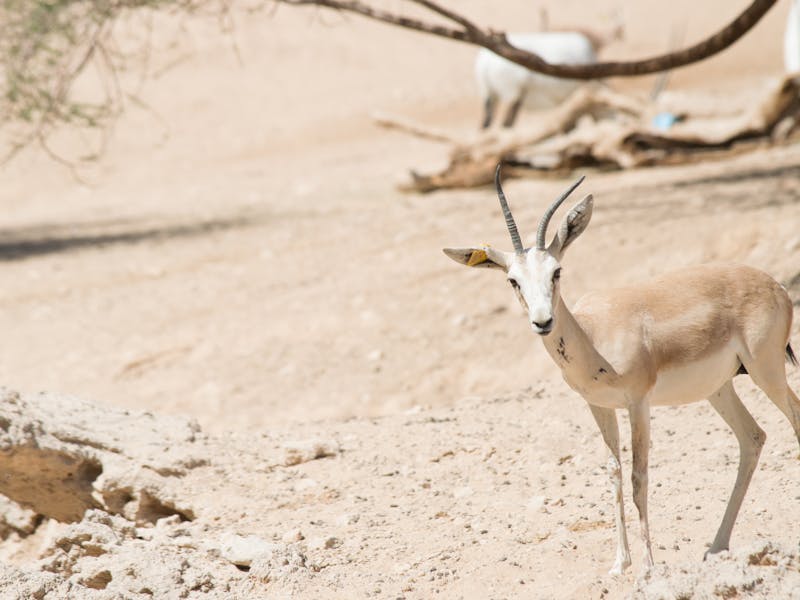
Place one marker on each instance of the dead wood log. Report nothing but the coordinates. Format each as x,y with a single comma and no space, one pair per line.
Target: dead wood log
472,162
601,129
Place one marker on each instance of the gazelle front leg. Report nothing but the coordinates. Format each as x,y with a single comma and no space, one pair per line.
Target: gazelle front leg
607,422
639,412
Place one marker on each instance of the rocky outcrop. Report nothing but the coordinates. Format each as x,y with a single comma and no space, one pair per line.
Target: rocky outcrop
62,456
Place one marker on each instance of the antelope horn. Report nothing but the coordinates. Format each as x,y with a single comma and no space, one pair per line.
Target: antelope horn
512,226
542,231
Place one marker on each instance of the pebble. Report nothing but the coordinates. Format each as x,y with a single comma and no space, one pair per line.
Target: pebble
308,450
242,550
535,503
463,492
347,519
324,543
293,535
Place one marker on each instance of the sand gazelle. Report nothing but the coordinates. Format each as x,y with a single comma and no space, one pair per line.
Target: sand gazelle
676,339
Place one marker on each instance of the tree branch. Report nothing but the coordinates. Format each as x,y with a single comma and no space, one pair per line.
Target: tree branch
497,42
353,6
448,14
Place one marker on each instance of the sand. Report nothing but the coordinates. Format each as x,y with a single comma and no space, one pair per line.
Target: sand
240,257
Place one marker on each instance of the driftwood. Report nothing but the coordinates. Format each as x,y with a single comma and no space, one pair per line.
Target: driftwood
599,128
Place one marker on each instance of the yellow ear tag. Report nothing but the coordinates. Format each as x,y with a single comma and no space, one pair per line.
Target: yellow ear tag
477,257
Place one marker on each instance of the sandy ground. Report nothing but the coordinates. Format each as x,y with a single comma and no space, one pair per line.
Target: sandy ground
240,256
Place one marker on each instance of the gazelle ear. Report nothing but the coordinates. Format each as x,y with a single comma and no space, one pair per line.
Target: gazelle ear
573,225
485,257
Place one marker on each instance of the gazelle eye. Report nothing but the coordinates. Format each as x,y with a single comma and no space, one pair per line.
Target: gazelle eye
557,274
518,292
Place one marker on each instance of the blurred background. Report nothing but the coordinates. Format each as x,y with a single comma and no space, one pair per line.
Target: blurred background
237,249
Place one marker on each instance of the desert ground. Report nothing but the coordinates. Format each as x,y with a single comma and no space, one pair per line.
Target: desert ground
270,381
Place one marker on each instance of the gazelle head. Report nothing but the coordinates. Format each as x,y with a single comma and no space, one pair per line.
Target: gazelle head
534,273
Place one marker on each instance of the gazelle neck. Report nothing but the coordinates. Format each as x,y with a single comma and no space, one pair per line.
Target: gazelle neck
570,347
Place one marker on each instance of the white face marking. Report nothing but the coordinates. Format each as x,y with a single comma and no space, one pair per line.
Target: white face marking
535,279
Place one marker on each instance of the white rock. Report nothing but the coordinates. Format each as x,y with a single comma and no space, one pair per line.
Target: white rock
242,550
347,519
463,492
277,565
306,483
459,320
535,503
324,543
375,355
293,535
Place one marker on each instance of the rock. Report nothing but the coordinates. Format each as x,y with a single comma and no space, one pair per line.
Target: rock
347,519
106,552
459,320
324,543
242,550
308,450
278,565
462,492
62,456
16,519
375,355
306,483
763,570
293,535
535,503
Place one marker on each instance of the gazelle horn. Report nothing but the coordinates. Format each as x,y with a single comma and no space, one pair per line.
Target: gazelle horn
542,231
512,226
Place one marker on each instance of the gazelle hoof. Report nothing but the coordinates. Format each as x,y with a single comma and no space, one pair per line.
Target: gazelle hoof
619,568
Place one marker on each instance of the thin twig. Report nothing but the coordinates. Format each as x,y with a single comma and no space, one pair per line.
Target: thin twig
365,10
432,6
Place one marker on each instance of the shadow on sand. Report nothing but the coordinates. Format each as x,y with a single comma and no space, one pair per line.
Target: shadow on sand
29,242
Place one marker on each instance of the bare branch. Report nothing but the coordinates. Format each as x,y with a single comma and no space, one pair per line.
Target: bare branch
407,126
359,8
432,6
497,42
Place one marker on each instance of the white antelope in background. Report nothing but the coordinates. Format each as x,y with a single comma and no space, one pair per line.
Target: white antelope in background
500,80
676,339
791,39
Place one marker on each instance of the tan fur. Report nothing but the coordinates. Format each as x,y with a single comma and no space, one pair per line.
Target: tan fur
715,304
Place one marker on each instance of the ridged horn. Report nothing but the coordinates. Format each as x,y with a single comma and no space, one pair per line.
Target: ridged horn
542,231
512,226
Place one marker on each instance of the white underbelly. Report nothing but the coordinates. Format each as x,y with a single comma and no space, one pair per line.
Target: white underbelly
694,381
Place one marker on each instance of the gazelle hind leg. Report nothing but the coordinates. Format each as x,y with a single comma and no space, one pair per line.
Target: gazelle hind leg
794,410
751,439
770,376
789,405
607,422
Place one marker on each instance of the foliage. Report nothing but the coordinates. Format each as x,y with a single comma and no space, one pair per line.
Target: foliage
45,45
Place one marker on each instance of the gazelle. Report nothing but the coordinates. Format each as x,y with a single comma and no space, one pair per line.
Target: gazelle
676,339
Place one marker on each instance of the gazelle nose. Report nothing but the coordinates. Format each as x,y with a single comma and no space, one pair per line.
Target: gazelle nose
545,326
